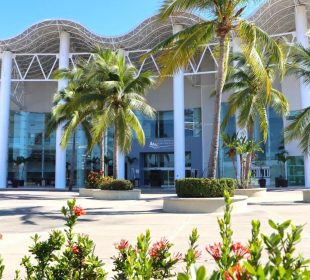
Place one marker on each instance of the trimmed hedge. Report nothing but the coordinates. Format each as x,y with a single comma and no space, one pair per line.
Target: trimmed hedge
118,185
203,187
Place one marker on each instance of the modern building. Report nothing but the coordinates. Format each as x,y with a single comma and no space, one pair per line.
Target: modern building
178,139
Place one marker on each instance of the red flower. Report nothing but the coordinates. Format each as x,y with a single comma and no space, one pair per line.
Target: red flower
124,244
240,250
235,272
75,250
78,211
215,251
158,247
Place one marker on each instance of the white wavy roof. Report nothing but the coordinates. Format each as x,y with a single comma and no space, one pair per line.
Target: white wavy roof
44,36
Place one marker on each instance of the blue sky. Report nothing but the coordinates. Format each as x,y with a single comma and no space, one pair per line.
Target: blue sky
105,17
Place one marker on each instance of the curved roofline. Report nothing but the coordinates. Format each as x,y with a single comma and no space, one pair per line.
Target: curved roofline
66,25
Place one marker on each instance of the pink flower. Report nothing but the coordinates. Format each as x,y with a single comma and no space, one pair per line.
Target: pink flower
215,251
158,247
177,256
78,211
239,249
122,245
197,254
1,236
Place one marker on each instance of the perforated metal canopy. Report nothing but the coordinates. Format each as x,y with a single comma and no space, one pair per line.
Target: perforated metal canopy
278,16
44,36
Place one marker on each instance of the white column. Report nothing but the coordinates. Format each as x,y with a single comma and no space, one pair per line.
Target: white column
60,168
5,92
121,165
178,120
301,23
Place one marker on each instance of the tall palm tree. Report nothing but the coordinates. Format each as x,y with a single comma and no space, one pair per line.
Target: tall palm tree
224,22
250,99
60,116
300,126
117,94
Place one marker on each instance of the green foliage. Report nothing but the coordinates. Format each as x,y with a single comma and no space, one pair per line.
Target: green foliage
192,253
203,187
1,267
117,185
225,20
97,180
144,261
299,128
63,255
246,150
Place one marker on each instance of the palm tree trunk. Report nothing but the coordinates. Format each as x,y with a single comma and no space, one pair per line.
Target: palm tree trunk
72,169
102,152
115,154
213,158
249,157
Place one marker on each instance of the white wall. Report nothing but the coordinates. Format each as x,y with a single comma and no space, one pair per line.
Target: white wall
161,97
39,96
291,90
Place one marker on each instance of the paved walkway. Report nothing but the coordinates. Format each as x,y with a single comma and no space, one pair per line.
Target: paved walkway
22,213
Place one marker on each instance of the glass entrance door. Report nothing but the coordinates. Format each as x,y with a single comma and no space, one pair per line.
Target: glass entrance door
159,169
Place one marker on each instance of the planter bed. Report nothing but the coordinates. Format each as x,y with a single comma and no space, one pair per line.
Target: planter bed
117,195
251,192
86,192
306,196
203,205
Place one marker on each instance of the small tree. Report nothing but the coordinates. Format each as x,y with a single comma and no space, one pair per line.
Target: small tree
246,150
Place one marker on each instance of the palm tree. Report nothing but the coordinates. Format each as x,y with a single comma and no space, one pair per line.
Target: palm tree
300,126
61,116
117,94
250,99
224,22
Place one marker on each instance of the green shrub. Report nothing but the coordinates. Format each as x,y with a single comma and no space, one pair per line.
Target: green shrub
95,180
203,187
117,185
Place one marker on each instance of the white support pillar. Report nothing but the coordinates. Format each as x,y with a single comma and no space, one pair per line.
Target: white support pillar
60,168
178,120
301,23
5,92
121,165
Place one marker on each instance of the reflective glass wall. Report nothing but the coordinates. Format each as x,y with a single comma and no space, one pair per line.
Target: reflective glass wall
32,152
294,169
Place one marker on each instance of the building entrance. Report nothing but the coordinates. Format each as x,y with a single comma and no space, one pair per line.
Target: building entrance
158,169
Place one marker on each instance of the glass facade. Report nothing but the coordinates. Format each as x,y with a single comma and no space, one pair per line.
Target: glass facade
28,140
296,171
159,169
162,125
268,159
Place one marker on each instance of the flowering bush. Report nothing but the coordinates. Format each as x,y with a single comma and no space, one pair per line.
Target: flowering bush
144,261
236,261
64,255
96,180
71,256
